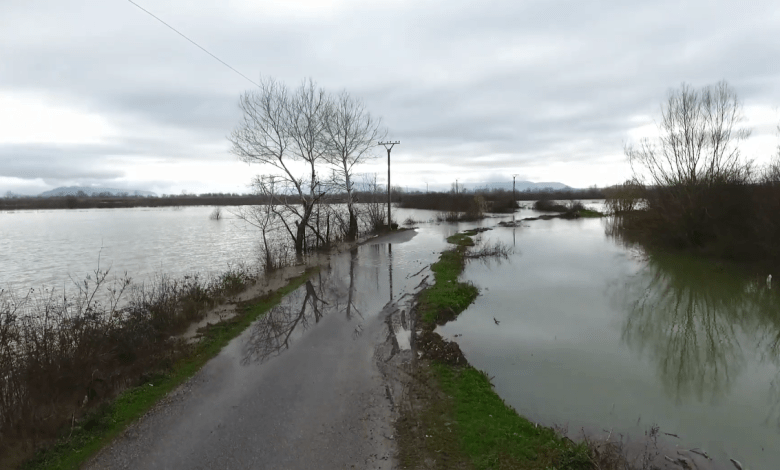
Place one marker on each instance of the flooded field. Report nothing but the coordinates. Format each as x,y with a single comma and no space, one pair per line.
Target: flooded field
594,335
577,329
47,248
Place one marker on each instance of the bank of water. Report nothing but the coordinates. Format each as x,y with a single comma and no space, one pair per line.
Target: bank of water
598,336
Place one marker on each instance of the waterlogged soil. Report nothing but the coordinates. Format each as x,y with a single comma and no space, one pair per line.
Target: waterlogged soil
311,384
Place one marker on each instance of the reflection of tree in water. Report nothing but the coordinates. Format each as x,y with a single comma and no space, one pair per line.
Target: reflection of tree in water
271,334
691,316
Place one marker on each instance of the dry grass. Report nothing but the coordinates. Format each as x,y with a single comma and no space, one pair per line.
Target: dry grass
61,354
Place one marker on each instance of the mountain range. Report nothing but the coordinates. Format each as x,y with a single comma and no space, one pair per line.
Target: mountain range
519,186
92,191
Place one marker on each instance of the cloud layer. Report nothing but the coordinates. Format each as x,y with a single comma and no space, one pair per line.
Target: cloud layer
101,93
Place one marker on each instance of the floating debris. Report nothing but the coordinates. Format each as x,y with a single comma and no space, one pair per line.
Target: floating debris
737,464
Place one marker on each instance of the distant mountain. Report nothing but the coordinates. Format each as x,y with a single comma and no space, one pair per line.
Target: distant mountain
92,191
519,186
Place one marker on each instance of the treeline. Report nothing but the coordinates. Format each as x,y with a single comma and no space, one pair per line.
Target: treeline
110,202
692,190
471,204
475,202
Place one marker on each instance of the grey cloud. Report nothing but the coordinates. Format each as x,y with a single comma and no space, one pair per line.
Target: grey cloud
455,81
55,162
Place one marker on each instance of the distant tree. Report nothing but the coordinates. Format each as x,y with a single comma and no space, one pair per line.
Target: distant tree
698,141
283,130
350,134
771,173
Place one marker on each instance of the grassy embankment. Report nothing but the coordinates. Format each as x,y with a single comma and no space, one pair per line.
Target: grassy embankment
79,442
461,422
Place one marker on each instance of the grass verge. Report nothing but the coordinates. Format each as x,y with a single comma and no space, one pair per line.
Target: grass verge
445,299
100,427
453,419
588,213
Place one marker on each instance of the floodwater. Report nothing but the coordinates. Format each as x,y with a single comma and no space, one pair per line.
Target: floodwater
594,335
354,286
49,247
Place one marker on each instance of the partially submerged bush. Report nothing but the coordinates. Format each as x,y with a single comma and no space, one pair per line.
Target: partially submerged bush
623,198
61,354
548,205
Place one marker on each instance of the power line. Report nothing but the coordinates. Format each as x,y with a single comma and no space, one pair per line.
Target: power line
190,40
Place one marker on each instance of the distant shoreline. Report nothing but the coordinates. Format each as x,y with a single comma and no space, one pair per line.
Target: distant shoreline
73,202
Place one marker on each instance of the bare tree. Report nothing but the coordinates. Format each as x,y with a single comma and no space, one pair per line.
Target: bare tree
282,131
350,134
697,145
267,218
375,213
771,173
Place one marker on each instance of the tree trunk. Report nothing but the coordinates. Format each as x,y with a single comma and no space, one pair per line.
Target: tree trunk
353,226
300,237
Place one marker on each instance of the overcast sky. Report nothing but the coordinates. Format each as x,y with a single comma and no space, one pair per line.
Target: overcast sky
97,92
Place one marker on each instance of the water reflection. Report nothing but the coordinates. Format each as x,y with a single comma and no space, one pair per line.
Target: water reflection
350,286
700,323
272,333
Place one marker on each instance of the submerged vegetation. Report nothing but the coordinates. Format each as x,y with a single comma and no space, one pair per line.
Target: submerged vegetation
572,210
454,207
693,191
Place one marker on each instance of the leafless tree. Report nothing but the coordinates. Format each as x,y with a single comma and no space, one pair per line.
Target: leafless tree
698,141
350,134
266,217
374,207
771,173
284,131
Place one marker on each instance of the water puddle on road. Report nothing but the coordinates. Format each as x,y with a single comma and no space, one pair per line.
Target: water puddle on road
354,287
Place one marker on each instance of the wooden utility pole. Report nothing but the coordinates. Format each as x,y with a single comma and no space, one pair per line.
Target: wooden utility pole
514,196
391,144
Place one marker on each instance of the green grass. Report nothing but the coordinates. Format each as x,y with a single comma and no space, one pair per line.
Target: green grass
587,213
493,435
448,297
106,422
462,423
462,238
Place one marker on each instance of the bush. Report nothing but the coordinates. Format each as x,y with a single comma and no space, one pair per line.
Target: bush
62,355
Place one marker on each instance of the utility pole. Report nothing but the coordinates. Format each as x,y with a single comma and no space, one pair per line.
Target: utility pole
391,144
514,196
456,186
